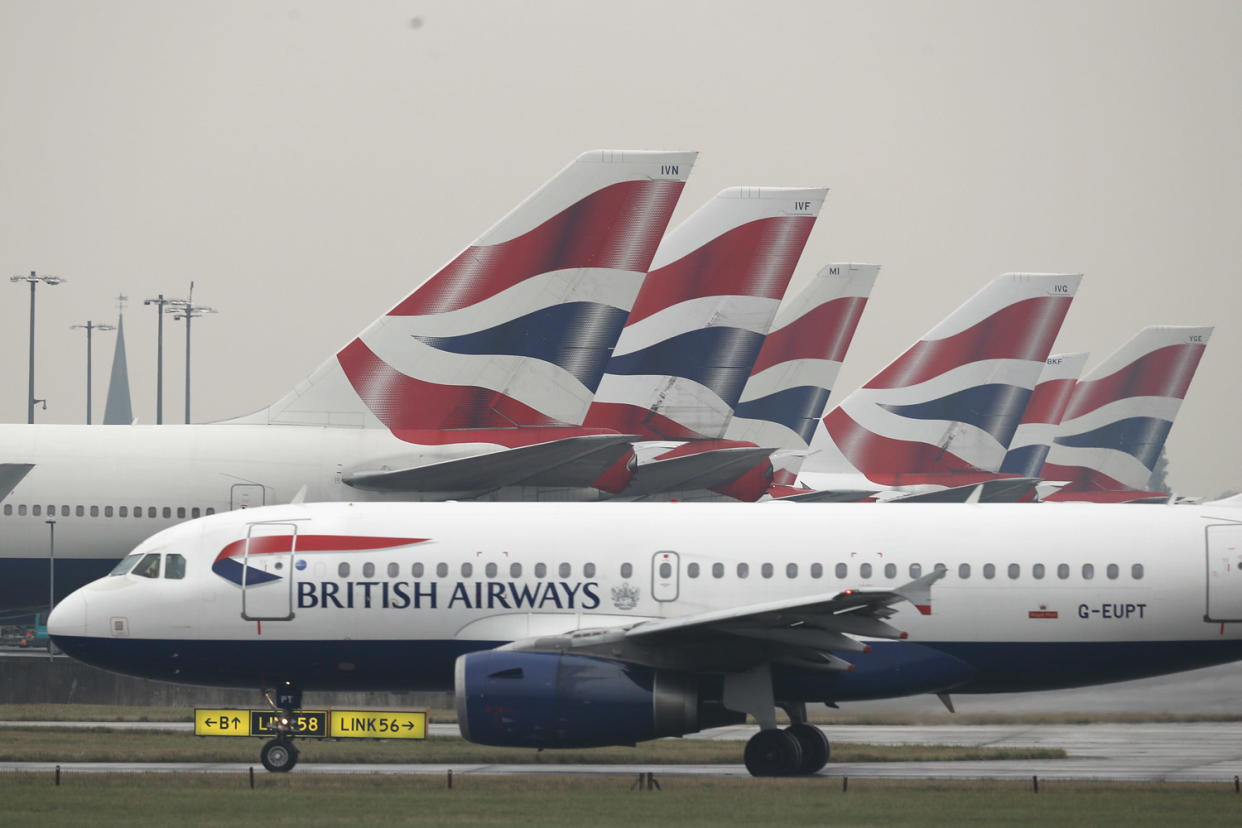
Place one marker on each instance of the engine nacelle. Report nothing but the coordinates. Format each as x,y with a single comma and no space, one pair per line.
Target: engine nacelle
551,700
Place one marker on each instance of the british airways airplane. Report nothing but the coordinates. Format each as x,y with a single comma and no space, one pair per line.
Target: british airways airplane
587,624
468,387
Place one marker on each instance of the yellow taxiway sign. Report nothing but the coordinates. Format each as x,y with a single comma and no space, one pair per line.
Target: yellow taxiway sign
315,724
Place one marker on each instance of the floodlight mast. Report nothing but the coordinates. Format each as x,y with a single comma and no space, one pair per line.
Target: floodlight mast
187,310
34,279
160,302
89,327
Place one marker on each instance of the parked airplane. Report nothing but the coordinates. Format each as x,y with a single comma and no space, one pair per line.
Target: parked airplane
1120,415
463,389
941,415
689,343
571,625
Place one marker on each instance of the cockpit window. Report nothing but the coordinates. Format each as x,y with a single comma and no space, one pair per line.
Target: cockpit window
149,566
125,564
174,566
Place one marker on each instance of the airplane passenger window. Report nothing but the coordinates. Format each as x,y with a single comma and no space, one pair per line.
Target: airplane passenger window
717,570
490,570
467,570
841,570
180,511
150,511
125,565
441,570
36,510
64,511
1062,571
743,570
692,570
210,510
342,570
1136,572
890,570
564,570
417,570
94,511
368,570
1088,572
194,512
791,570
107,511
122,511
167,512
588,570
916,570
541,570
817,570
963,571
941,568
766,570
174,566
21,510
626,570
864,570
394,570
1112,572
149,566
1037,570
137,511
80,511
1014,571
8,508
666,570
515,570
989,571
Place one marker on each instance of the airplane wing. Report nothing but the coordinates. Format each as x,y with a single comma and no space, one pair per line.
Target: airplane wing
805,632
484,472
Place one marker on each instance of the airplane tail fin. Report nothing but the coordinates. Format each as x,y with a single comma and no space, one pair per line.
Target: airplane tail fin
1121,412
797,367
952,402
700,318
516,330
1030,444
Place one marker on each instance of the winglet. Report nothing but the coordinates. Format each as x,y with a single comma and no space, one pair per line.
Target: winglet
918,591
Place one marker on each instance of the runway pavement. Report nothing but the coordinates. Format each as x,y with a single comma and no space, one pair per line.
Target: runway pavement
1199,752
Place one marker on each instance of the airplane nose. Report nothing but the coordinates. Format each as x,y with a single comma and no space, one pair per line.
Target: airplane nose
68,618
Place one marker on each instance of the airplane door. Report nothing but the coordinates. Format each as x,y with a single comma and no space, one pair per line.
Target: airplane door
268,571
247,495
665,576
1224,573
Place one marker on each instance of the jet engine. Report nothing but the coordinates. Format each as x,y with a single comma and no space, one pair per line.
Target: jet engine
553,700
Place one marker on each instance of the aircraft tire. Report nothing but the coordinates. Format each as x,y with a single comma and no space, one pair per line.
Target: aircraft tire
773,753
279,755
814,746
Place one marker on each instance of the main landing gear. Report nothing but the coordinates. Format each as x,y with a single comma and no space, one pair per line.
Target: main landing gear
799,750
279,755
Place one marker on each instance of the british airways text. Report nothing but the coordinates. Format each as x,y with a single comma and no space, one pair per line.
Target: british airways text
435,594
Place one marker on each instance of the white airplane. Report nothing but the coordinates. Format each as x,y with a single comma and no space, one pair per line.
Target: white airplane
586,624
468,387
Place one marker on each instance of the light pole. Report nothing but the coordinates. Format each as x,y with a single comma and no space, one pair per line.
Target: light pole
159,303
34,279
187,310
90,326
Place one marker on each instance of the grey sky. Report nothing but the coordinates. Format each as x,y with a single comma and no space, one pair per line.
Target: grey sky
308,163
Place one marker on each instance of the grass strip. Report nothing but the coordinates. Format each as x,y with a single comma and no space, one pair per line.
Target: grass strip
55,745
315,800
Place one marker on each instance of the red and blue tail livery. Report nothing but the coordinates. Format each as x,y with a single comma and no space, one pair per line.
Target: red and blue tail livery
951,403
1030,444
1120,414
698,323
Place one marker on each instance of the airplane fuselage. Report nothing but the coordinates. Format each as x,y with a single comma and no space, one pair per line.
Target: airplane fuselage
375,596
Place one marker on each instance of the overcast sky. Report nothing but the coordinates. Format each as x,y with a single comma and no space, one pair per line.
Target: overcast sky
307,164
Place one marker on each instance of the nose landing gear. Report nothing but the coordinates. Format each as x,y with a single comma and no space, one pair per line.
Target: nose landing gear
279,755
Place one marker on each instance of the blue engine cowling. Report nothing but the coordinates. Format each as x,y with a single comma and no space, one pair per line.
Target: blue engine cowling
552,700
